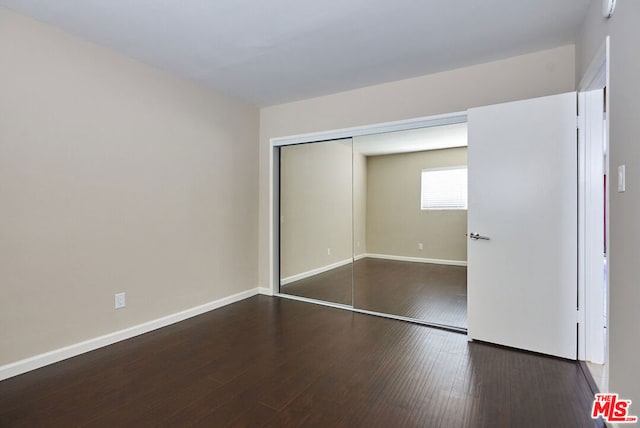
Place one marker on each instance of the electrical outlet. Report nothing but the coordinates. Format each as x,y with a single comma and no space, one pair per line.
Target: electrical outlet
420,246
120,300
328,251
621,179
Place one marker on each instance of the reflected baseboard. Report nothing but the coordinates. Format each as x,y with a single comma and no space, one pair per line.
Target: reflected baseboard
417,259
312,272
314,301
322,269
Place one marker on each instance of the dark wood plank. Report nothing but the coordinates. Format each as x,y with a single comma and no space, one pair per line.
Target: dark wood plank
425,291
275,362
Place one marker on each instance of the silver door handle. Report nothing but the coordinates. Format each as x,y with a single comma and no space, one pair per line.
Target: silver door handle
476,236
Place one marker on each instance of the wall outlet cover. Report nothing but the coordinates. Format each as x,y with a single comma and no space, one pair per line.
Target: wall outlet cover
622,179
120,300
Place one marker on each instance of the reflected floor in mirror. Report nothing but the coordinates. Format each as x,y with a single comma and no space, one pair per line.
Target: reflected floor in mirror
429,292
331,286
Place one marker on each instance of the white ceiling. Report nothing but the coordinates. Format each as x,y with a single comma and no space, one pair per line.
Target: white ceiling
413,140
273,51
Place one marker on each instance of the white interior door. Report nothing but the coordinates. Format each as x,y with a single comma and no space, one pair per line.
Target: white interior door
522,281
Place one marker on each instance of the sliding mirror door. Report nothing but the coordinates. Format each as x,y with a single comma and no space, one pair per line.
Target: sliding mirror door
378,222
410,209
316,221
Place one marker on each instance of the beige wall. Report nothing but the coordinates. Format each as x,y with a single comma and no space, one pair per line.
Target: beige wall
538,74
624,92
316,206
114,177
323,201
395,222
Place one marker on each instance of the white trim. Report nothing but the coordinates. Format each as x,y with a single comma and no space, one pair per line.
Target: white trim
593,266
418,259
41,360
315,301
265,291
274,213
597,76
581,320
378,128
313,272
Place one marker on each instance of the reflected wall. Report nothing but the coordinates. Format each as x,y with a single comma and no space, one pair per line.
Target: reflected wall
316,221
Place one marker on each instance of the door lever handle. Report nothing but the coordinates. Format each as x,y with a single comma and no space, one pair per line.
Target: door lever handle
476,236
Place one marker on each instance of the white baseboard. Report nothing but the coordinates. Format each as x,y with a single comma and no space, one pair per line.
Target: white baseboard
417,259
37,361
312,272
266,291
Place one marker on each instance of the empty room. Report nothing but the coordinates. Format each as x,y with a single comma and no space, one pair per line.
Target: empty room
394,214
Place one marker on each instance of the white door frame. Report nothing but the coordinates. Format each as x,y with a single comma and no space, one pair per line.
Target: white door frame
593,132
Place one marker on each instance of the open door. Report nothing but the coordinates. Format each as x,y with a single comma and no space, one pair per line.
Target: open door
522,223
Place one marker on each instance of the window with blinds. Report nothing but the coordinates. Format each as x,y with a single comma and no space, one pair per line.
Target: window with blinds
444,189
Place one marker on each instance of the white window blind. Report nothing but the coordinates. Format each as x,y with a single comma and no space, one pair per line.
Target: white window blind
444,189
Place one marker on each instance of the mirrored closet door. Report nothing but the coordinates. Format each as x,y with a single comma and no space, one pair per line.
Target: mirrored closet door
316,221
379,223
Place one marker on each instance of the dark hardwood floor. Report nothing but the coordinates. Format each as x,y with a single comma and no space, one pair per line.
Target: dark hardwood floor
275,362
429,292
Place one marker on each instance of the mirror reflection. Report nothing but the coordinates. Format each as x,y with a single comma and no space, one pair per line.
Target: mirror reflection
378,222
415,224
316,221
